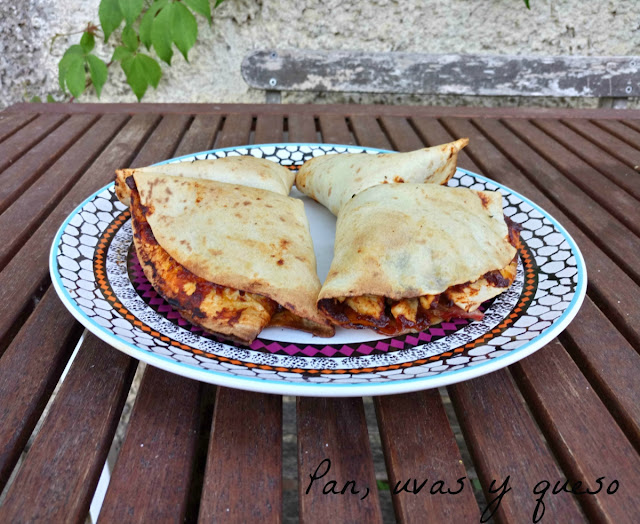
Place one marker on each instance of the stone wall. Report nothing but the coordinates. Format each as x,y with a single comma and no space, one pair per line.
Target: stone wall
28,59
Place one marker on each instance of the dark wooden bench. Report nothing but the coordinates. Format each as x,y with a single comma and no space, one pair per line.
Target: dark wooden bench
611,78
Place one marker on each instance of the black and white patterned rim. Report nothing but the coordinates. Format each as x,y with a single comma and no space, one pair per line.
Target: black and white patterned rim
512,328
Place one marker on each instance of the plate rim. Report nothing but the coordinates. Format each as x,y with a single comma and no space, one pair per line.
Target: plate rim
333,389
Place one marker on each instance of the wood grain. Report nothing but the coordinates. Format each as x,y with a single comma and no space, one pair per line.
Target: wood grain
200,136
505,442
269,129
302,128
592,341
317,109
368,132
613,290
29,371
157,455
61,470
589,444
335,429
243,478
401,134
28,269
24,139
335,130
445,74
621,244
623,175
31,205
235,131
10,123
424,449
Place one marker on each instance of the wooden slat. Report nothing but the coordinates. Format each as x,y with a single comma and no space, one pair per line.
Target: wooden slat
444,74
235,131
28,269
158,452
368,132
605,140
200,136
302,128
317,109
163,143
505,442
616,293
609,362
401,134
620,173
335,130
418,444
625,134
269,129
589,443
243,479
61,470
17,144
335,429
573,174
633,124
29,371
10,123
27,169
31,206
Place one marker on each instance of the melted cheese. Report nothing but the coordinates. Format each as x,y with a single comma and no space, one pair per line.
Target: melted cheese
367,305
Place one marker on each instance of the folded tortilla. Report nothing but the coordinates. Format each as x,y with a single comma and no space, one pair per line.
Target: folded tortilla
333,180
244,170
231,259
410,255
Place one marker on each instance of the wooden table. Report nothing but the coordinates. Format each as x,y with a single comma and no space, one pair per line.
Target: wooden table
194,452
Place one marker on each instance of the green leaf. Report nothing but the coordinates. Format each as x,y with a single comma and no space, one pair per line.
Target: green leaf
136,75
130,9
147,21
50,99
110,16
98,72
35,99
526,2
201,7
120,53
161,34
76,76
130,38
218,2
87,42
151,69
75,52
184,28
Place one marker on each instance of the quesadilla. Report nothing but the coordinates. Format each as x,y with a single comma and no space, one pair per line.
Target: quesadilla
407,256
245,170
333,180
231,259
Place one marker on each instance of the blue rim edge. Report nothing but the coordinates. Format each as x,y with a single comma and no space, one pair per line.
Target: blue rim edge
332,389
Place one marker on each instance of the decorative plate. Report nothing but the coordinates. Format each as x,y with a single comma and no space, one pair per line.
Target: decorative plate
95,271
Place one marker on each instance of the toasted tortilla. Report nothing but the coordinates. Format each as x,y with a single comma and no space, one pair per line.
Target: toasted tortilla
400,247
244,170
247,243
333,180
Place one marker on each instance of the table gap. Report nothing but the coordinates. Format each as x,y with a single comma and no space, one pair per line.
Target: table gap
465,454
414,127
24,314
285,129
316,121
252,131
290,480
206,404
555,199
42,418
216,140
614,317
379,465
19,127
